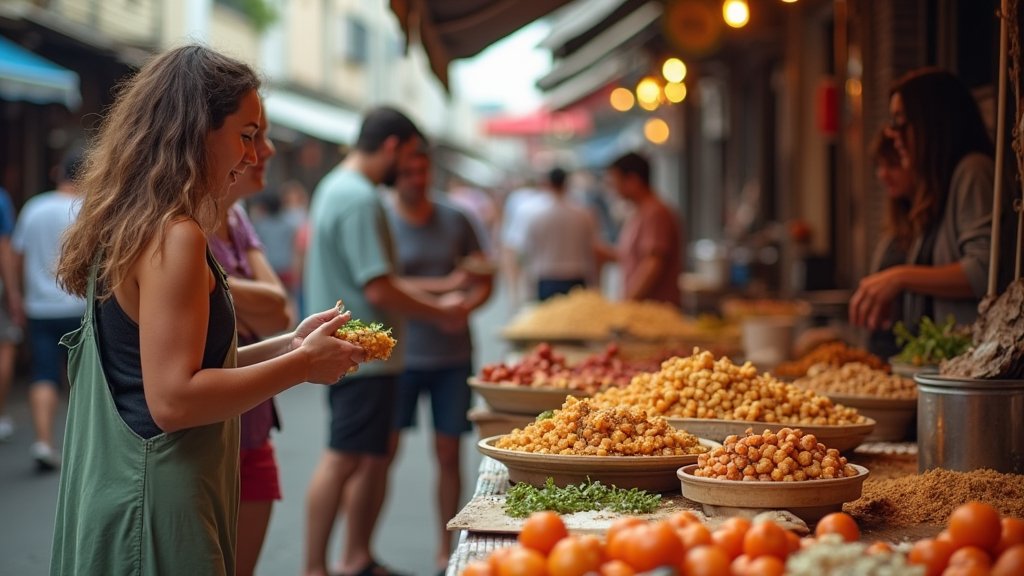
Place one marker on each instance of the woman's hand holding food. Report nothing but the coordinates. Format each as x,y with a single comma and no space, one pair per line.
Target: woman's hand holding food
329,358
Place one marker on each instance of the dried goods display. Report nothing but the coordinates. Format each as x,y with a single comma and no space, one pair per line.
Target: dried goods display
834,353
701,386
997,351
544,367
857,379
786,456
579,428
587,315
932,342
931,497
743,308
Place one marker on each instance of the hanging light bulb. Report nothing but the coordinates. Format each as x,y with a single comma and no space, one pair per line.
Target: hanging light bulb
648,91
673,70
675,92
622,99
736,13
656,131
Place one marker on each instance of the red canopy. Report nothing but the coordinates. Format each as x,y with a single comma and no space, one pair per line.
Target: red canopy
541,122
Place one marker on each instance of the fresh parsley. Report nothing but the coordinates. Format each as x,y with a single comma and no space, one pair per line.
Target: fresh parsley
933,342
523,499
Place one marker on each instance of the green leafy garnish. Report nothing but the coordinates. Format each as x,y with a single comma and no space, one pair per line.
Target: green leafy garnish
354,325
933,342
524,499
545,415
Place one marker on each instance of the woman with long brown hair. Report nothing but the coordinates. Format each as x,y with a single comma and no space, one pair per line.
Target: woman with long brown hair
150,481
937,128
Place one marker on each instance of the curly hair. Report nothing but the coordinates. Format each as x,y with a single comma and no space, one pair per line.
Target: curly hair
149,164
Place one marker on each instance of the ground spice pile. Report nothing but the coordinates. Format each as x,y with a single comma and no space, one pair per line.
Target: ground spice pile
930,498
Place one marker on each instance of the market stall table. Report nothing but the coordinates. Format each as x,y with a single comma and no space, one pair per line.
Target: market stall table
886,460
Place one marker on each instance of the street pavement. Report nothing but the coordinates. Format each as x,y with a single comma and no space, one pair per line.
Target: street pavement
404,540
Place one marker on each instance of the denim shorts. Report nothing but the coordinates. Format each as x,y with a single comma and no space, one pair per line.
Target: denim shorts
449,398
48,357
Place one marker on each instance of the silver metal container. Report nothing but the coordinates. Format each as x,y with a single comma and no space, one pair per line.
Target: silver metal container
965,424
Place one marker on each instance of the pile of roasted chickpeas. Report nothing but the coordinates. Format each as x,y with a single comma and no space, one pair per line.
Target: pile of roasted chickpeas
701,386
857,379
787,456
581,429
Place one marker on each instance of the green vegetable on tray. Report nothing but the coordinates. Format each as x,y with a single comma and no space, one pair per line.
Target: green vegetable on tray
933,342
523,499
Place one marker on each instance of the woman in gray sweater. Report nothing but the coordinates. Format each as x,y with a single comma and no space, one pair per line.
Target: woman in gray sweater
940,136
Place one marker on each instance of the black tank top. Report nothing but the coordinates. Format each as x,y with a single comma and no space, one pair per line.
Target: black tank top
118,337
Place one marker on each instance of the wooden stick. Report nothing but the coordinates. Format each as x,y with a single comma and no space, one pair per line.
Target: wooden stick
997,202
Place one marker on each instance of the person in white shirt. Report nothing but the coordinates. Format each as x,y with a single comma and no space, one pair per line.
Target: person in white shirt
51,312
559,241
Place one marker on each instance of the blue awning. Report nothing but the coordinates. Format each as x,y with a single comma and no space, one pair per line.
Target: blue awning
31,78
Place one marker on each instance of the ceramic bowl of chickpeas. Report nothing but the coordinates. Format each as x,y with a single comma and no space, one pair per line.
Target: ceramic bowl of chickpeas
620,445
888,399
714,398
789,469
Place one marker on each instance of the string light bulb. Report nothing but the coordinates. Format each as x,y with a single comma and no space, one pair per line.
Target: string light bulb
622,99
673,70
736,13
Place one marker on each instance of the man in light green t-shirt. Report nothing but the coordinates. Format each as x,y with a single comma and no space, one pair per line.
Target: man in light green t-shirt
351,256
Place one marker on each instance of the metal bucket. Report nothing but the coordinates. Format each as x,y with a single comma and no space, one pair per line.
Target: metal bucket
965,423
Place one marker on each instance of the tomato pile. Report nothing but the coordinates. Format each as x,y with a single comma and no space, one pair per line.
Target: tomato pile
544,367
632,545
976,542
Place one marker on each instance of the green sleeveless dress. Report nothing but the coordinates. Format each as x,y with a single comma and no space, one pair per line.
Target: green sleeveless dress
131,506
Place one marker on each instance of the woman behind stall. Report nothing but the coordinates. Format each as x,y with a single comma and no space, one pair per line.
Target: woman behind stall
937,128
262,310
150,477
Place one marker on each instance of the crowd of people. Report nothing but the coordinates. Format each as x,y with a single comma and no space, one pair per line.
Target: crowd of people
182,315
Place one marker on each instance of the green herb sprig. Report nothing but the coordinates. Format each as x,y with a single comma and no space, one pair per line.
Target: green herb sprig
523,499
353,325
933,342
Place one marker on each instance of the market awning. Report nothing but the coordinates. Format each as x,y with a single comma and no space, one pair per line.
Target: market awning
308,115
570,123
28,77
450,29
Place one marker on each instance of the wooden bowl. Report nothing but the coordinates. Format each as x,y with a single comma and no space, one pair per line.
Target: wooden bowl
516,399
651,473
842,438
810,499
895,418
490,423
908,370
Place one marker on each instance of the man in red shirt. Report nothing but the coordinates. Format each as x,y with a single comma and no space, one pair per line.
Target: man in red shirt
650,244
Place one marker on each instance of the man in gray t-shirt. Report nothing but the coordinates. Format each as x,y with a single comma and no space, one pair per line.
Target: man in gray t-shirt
351,257
432,240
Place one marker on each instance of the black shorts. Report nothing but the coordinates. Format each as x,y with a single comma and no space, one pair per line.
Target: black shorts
362,412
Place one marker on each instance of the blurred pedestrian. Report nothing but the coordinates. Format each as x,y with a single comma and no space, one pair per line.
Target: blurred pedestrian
262,310
51,312
276,227
351,252
937,128
559,242
150,478
519,205
432,239
650,242
12,319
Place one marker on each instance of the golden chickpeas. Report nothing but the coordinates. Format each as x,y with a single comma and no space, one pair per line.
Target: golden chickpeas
702,386
610,431
782,458
857,379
